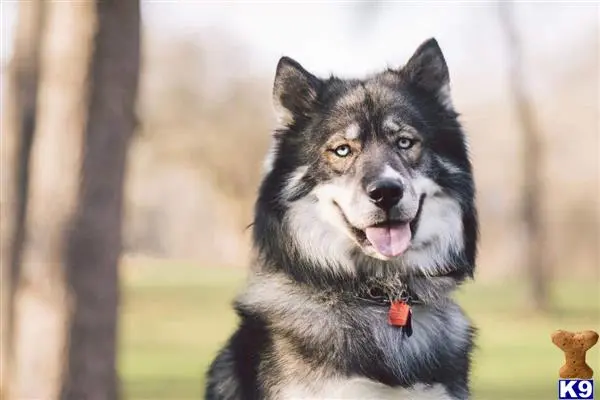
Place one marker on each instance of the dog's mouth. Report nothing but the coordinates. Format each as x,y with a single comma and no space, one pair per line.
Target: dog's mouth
388,239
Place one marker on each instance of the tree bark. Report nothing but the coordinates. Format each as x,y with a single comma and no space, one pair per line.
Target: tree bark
41,303
535,260
94,245
67,297
17,137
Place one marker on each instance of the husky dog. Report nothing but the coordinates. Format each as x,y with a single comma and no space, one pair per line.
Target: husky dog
365,223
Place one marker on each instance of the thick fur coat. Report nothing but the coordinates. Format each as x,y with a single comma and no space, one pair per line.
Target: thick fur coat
368,192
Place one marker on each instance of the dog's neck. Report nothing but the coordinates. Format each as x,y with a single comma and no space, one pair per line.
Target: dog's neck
386,282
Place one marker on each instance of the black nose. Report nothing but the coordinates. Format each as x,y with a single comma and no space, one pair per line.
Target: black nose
385,193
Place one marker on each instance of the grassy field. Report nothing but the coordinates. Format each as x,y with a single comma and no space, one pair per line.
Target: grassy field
174,318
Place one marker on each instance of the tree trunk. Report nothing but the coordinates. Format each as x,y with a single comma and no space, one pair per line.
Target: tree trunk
535,260
41,303
94,245
17,137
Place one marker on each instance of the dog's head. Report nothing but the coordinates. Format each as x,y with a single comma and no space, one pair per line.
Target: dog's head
376,167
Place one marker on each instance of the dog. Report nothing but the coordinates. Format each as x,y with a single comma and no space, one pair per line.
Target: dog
364,225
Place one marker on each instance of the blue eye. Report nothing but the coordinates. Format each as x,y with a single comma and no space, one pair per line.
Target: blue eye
342,151
405,143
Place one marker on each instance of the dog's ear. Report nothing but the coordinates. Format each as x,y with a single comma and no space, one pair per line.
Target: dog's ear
294,91
427,70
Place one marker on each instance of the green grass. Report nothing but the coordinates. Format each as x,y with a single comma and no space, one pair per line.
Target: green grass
175,317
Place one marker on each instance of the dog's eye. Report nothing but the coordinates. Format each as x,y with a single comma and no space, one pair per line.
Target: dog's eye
342,150
406,143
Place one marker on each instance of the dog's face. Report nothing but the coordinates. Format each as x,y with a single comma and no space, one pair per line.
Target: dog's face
370,164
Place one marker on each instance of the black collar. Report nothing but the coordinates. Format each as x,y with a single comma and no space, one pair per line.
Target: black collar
377,295
380,297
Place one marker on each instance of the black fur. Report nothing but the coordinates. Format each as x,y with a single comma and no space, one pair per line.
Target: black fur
240,359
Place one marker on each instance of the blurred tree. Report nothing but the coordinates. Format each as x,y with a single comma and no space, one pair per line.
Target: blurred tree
181,103
94,241
41,307
67,297
17,136
535,259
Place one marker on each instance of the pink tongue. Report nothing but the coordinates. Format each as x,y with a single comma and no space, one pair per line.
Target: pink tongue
389,241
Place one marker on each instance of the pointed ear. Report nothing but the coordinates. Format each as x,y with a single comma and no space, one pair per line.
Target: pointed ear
294,91
427,69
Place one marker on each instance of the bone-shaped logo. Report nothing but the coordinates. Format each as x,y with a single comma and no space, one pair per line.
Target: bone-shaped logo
574,346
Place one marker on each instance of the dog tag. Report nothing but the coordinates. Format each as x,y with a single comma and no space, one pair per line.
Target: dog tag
399,314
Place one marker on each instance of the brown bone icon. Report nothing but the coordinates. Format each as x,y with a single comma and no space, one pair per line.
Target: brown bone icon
575,345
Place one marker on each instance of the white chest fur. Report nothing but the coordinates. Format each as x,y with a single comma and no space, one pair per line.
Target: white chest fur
362,389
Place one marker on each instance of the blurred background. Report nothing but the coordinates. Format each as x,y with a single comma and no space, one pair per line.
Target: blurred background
525,79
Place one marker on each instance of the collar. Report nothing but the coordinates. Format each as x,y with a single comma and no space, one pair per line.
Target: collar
399,305
378,296
382,296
